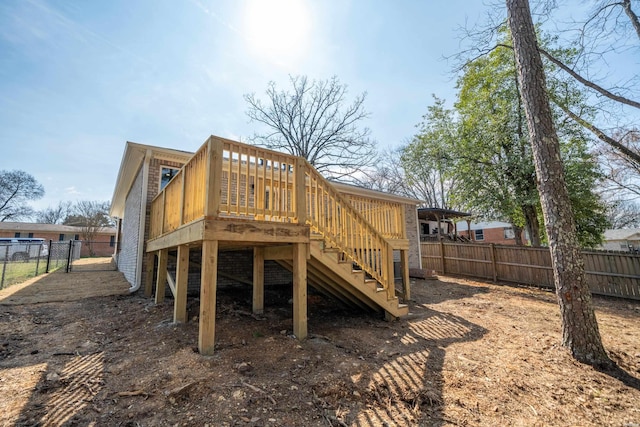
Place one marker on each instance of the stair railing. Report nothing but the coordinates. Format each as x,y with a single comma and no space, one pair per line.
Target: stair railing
330,214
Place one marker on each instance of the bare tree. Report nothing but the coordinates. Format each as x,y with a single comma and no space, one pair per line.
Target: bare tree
54,214
16,189
579,326
91,216
624,214
314,121
387,174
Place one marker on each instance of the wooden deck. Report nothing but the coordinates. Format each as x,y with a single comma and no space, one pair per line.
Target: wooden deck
234,195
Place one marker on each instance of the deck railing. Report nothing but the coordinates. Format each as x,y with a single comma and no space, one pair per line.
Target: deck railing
232,180
387,217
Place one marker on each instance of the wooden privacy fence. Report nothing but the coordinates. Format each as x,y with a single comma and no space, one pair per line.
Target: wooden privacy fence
608,273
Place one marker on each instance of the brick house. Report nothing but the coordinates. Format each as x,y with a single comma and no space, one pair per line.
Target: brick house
490,232
103,244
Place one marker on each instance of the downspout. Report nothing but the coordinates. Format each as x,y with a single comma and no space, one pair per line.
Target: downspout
143,220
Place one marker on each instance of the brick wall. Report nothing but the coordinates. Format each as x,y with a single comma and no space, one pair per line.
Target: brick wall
492,235
237,264
411,219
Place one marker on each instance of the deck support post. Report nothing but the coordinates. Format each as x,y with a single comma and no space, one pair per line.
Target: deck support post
148,280
161,277
208,285
258,279
406,284
300,290
182,274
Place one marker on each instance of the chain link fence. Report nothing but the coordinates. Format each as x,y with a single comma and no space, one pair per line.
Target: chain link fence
20,261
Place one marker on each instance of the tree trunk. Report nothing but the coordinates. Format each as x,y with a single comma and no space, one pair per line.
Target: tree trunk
517,231
533,225
579,326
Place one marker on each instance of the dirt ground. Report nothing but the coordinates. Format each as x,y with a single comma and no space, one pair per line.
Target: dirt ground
469,354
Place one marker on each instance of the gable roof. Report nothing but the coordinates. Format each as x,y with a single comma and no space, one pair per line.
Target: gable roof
622,234
132,158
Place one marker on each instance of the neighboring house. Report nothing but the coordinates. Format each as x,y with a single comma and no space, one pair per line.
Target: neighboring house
245,214
489,232
622,240
436,223
103,244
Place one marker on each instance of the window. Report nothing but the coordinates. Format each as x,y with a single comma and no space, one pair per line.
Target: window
509,233
166,174
425,228
16,235
31,235
61,237
76,237
479,234
112,241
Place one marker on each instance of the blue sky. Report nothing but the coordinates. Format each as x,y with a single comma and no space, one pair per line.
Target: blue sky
79,78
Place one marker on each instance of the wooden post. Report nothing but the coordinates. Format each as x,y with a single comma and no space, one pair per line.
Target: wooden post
182,183
161,277
406,284
300,290
213,191
148,284
258,279
301,190
442,258
391,282
162,212
493,263
208,285
182,274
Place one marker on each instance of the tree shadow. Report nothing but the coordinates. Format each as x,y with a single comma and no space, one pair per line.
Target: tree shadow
617,372
439,291
408,387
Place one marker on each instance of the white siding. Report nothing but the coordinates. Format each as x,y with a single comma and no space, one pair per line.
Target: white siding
128,258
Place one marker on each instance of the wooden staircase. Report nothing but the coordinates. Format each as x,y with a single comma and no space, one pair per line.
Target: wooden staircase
329,272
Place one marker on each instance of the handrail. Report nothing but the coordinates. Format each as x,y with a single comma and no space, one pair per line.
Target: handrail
345,228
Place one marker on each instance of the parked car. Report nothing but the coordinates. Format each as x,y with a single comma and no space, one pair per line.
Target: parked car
22,249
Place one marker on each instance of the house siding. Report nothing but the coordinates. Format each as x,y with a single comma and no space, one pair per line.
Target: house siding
128,256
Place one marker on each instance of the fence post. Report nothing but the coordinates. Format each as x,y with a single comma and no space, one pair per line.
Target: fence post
4,265
493,263
49,255
69,256
38,259
442,258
